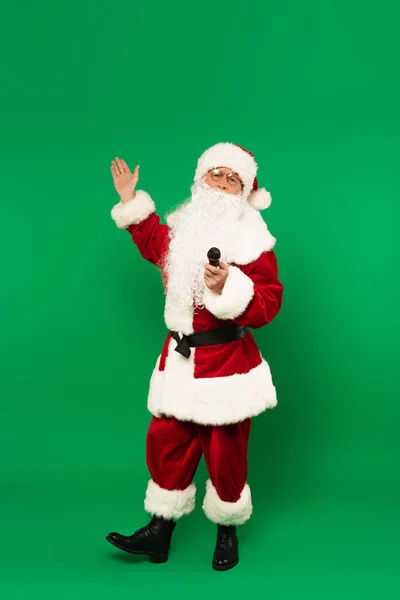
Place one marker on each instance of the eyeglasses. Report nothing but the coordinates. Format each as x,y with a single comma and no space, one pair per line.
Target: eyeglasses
232,178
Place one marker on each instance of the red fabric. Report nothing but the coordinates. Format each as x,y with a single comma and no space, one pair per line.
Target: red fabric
174,449
268,291
164,352
221,360
151,238
255,182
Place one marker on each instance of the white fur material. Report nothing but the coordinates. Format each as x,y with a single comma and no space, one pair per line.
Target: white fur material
134,211
178,318
235,297
231,156
169,504
175,392
251,239
227,513
260,199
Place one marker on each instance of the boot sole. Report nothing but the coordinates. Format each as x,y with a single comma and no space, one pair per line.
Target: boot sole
225,568
154,558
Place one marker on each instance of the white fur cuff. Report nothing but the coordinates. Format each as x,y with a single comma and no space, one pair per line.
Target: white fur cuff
134,211
236,295
169,504
227,513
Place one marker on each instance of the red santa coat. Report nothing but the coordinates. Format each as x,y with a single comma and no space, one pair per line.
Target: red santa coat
223,383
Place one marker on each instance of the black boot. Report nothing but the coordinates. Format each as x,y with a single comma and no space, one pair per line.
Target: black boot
153,540
226,553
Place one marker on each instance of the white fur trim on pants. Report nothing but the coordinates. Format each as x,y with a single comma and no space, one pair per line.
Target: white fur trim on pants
134,211
169,504
227,513
236,295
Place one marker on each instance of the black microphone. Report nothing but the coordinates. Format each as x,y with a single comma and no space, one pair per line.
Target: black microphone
213,255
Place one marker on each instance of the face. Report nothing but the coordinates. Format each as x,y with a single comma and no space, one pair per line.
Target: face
224,179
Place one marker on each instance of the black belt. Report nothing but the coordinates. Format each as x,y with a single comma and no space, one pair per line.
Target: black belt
208,338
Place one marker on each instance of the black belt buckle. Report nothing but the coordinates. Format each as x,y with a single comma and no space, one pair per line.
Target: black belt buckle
182,345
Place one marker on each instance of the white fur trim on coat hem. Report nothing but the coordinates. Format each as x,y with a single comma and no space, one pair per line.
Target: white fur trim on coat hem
175,392
227,513
236,295
134,211
169,504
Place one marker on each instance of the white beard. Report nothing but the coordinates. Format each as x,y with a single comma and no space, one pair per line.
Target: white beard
209,218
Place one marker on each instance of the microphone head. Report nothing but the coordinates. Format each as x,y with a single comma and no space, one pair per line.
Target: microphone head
214,254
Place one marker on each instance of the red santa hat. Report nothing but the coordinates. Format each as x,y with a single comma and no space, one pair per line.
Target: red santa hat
242,162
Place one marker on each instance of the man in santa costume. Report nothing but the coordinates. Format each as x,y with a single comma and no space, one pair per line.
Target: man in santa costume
210,378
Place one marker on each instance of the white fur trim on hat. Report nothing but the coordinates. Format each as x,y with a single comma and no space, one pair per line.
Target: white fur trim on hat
260,199
235,297
169,504
231,156
134,211
227,513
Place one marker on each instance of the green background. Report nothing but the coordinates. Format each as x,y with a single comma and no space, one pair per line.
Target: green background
312,89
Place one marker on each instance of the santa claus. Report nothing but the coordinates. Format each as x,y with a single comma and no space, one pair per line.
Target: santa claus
210,378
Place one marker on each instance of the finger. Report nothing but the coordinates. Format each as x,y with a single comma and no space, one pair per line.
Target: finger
209,284
126,168
211,268
213,276
223,266
114,162
119,164
114,169
136,174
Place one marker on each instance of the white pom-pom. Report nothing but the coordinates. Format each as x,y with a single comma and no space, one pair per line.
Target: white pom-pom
260,198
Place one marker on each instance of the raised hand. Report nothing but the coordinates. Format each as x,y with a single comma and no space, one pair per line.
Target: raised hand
125,181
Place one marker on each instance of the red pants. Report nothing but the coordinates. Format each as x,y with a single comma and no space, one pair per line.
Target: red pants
173,451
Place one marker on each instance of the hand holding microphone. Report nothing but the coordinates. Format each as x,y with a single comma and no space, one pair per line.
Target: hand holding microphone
216,272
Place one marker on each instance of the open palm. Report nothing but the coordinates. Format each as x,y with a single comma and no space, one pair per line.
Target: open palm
124,180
